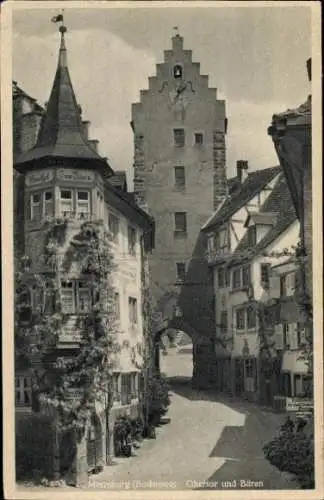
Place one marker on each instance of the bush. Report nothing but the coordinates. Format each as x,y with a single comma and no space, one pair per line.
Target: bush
293,451
34,447
158,398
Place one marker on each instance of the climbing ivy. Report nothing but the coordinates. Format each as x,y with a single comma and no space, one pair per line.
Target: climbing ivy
68,385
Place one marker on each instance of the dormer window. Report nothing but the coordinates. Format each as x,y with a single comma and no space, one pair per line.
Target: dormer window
177,71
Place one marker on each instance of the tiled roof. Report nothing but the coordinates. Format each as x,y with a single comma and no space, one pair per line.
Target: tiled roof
18,91
297,116
279,201
61,130
119,180
254,182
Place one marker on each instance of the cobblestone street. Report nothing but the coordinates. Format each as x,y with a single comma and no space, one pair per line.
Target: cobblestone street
208,441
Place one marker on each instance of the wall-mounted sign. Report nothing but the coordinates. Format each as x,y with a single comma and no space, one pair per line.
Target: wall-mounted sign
74,174
39,177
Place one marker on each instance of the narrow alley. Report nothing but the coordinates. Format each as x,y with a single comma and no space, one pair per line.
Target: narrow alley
210,442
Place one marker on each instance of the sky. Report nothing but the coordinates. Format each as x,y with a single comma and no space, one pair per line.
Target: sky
255,57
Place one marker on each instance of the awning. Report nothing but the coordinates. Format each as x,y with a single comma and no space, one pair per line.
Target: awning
291,362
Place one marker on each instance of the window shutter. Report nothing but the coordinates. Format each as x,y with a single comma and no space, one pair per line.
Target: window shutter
274,287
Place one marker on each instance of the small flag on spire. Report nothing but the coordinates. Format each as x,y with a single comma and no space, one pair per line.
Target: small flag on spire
57,19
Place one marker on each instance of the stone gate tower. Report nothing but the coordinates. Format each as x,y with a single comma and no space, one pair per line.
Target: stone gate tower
179,130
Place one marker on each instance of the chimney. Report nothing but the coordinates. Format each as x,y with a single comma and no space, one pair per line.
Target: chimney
85,128
309,69
242,170
94,144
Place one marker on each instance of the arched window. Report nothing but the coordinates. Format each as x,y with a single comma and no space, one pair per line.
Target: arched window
177,71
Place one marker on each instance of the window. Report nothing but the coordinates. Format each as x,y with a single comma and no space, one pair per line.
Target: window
41,205
211,243
83,297
181,271
49,296
236,278
179,137
113,223
287,285
246,276
125,388
23,391
251,317
265,275
199,139
83,205
134,384
131,240
67,297
249,367
252,236
132,306
75,297
179,177
224,322
100,206
240,319
66,202
116,387
36,207
286,339
117,305
177,71
221,278
180,222
48,203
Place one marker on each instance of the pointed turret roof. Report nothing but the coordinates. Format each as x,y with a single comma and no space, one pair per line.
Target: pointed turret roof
61,131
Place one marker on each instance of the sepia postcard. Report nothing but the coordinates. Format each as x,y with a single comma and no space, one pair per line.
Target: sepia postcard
162,249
